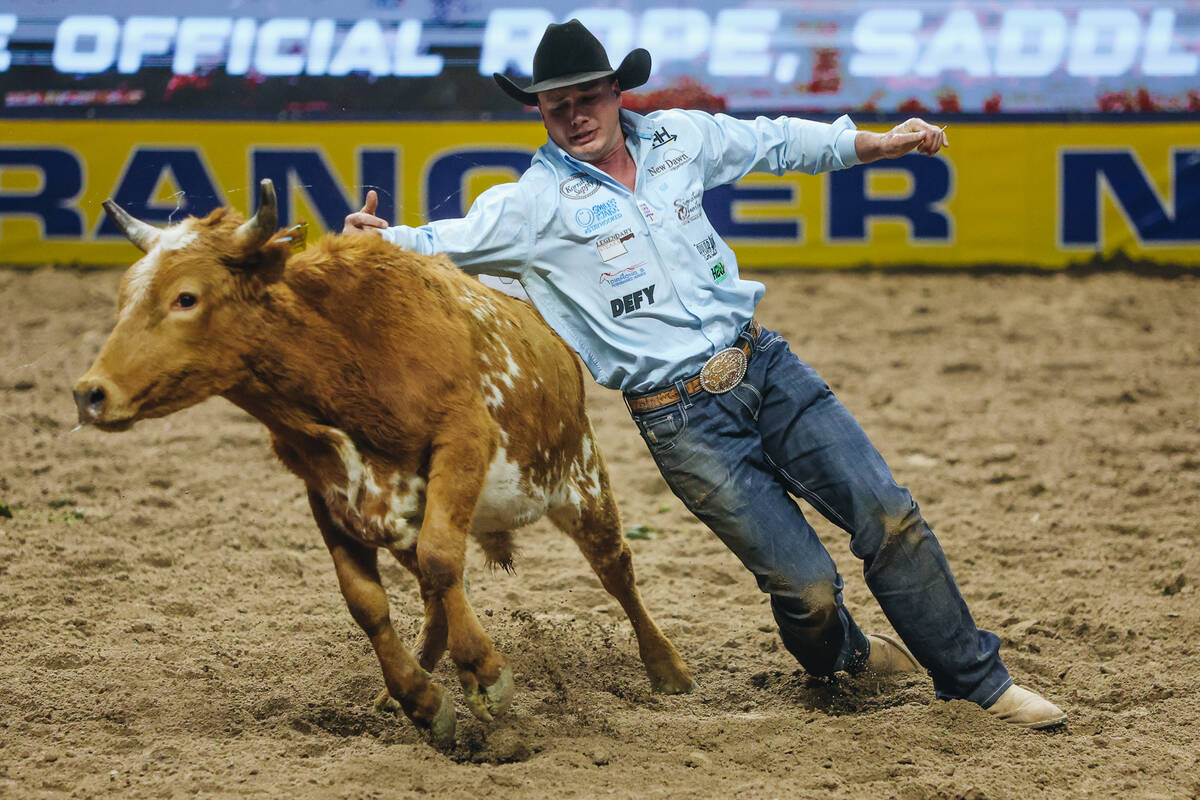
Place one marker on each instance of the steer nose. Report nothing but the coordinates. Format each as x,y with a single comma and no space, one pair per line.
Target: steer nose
92,400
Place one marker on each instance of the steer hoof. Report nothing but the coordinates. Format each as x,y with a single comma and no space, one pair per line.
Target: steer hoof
439,731
678,683
681,684
492,701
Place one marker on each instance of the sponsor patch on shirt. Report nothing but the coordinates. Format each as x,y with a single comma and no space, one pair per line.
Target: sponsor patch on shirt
579,186
632,301
593,218
718,272
647,210
707,248
613,246
624,276
671,159
688,208
661,137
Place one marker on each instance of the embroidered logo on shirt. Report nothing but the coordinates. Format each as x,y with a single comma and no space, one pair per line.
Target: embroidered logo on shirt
579,186
707,248
593,218
672,159
661,137
688,209
613,246
633,301
624,276
647,210
718,272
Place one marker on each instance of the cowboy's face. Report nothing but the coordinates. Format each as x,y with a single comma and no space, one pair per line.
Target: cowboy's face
584,119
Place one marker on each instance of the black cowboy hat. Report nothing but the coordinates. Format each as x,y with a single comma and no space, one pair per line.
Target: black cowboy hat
569,54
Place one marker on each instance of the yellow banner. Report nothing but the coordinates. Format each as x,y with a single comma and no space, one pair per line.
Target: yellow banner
1036,194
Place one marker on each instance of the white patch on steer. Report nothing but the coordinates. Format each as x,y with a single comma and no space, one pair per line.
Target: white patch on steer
141,274
492,397
481,307
507,500
377,512
585,472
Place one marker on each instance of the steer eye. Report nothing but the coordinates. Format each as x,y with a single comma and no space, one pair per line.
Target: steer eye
185,300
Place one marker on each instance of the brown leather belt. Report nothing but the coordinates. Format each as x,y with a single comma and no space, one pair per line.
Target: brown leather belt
692,385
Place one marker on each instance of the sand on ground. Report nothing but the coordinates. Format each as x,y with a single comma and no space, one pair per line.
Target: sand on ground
171,625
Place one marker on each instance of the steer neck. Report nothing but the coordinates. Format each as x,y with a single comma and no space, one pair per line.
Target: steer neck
294,369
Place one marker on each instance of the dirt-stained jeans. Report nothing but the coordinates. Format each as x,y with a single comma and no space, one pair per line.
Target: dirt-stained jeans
736,459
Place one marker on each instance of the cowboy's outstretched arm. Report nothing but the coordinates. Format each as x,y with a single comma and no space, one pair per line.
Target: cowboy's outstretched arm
494,238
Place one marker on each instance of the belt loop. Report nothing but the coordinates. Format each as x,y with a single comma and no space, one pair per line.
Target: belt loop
684,397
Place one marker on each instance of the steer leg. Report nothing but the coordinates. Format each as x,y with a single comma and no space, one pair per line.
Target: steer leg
595,525
456,474
426,703
432,642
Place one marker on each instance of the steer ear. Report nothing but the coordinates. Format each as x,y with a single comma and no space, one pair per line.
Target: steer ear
254,232
141,234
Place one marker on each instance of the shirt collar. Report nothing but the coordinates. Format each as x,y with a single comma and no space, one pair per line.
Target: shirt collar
631,122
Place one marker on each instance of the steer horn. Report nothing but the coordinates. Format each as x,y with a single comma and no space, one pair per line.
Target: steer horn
254,232
143,235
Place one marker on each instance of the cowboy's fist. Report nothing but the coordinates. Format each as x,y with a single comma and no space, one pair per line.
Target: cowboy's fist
365,221
913,134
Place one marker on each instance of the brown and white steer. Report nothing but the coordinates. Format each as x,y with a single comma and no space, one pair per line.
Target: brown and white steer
416,404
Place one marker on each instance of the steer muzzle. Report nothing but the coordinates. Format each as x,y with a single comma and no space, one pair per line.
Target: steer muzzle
96,398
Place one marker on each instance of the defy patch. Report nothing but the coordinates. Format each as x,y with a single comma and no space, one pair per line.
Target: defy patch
613,246
632,301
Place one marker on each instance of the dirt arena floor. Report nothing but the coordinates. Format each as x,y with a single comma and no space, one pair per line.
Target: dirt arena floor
170,624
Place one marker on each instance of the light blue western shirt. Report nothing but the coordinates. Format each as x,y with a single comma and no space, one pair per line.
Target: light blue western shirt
638,283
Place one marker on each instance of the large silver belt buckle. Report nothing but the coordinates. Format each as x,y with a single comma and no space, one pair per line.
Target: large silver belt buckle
723,371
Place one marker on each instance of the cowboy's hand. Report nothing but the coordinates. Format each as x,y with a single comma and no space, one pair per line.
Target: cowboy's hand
365,222
912,134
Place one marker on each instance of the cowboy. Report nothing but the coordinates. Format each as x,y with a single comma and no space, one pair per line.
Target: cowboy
606,233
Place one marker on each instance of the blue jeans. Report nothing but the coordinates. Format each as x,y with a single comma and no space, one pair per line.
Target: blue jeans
735,460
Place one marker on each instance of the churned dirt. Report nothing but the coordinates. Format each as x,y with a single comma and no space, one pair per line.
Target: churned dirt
170,624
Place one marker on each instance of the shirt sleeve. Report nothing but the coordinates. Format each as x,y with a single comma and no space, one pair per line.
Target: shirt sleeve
734,148
494,238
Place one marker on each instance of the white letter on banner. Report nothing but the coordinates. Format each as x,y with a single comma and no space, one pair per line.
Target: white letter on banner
957,45
268,58
511,36
241,45
145,36
674,34
1031,42
8,24
199,36
320,46
742,41
409,58
1105,42
1160,37
69,57
612,26
887,42
363,50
